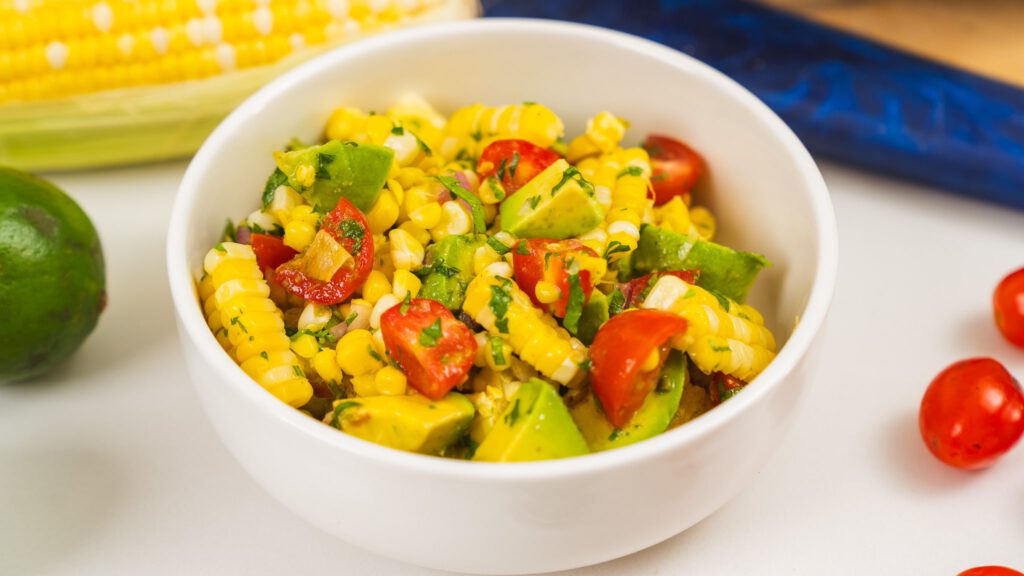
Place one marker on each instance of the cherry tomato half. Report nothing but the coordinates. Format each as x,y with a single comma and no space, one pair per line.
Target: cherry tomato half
271,251
514,162
434,349
972,413
621,371
1008,303
675,167
990,571
637,289
347,225
539,259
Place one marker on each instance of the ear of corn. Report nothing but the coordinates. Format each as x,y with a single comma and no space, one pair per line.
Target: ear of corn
730,339
89,82
248,324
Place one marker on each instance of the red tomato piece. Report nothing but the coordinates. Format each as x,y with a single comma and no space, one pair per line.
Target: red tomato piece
1008,303
972,413
723,387
637,289
271,251
990,571
434,349
347,225
537,259
675,167
620,373
514,162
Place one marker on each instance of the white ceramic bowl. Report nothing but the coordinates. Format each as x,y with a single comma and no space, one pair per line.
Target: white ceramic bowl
531,517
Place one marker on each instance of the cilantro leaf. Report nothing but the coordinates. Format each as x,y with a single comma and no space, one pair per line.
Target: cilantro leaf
476,206
431,335
574,309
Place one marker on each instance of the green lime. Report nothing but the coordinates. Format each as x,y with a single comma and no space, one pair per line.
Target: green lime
52,286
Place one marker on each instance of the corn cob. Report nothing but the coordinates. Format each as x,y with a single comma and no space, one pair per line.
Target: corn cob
621,181
249,324
59,48
721,336
497,304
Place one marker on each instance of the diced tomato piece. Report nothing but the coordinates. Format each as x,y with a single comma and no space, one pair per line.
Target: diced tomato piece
675,167
271,251
637,289
723,387
554,261
622,373
514,162
434,349
347,225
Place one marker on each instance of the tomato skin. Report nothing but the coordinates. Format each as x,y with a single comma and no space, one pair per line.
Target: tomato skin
675,167
972,413
990,571
620,349
1008,305
537,259
723,387
347,279
431,370
532,161
271,251
633,291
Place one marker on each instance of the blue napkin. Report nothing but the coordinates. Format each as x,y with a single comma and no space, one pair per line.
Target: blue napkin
846,97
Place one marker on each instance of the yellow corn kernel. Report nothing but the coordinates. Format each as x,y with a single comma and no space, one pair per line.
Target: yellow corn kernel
483,257
579,148
365,385
384,213
417,232
673,215
358,354
703,221
410,176
376,285
313,317
288,384
378,128
606,131
406,284
284,201
651,362
397,189
299,234
386,302
326,366
305,346
546,292
305,175
390,381
345,123
406,252
455,219
226,251
426,216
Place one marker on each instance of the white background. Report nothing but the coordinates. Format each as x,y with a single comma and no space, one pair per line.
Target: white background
108,466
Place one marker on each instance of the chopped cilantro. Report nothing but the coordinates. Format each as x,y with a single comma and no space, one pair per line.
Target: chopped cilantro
585,365
722,300
513,165
498,246
297,370
616,302
631,171
496,189
522,249
614,247
423,145
339,408
574,309
725,348
404,308
431,335
351,317
500,299
498,351
529,103
476,206
501,168
614,435
278,230
323,161
264,355
373,353
230,232
512,415
354,231
277,178
476,135
220,248
398,131
572,173
534,201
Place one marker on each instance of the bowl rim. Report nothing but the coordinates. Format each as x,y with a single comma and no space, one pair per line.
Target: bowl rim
193,324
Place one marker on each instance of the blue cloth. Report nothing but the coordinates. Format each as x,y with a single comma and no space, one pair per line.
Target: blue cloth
847,98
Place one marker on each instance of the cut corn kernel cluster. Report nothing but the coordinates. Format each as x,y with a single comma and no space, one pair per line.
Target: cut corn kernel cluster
60,48
248,324
721,335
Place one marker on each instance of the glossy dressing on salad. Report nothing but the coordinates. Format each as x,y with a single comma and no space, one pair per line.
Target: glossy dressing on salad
475,287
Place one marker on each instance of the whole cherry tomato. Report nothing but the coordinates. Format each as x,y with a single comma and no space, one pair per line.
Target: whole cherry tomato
514,162
675,167
434,349
972,413
270,251
1008,303
990,571
537,259
622,373
348,227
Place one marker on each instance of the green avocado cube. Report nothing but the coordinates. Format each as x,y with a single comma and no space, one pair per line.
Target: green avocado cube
411,423
536,425
449,269
339,169
653,417
557,203
723,270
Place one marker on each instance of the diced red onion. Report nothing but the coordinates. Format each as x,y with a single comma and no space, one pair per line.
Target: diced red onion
243,234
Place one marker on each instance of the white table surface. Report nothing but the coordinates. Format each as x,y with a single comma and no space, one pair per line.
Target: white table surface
108,466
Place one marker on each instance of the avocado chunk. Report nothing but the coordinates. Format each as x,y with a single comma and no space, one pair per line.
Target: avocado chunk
536,425
411,423
557,203
449,270
723,270
653,417
595,313
339,169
